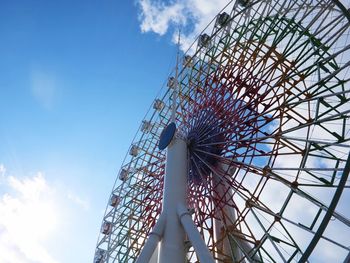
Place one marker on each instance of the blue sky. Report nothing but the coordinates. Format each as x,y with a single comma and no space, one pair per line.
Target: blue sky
76,79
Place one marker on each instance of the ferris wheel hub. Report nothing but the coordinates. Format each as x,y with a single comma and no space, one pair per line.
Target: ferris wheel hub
167,136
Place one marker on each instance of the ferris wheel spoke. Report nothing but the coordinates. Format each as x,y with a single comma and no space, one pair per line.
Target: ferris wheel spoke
198,169
324,42
269,237
312,199
323,141
275,240
243,139
323,80
303,31
327,28
257,64
334,117
340,96
240,141
289,240
210,135
312,171
243,191
324,61
299,225
233,227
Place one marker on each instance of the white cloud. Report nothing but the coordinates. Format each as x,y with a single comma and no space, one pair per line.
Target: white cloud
2,170
157,16
33,215
43,87
28,216
192,16
83,203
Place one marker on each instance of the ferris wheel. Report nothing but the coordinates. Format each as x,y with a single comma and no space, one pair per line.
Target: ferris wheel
244,155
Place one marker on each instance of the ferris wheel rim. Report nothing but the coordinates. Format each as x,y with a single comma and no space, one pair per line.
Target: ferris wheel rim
306,99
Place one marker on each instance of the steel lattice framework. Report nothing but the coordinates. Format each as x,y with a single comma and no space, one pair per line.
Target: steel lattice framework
263,103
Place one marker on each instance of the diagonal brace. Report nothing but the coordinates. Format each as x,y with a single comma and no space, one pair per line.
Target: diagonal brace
191,230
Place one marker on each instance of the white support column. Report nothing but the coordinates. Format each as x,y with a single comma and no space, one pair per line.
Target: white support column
154,258
175,192
198,243
152,242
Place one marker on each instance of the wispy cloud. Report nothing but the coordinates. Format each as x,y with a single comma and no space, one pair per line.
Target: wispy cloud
192,16
157,17
43,87
2,170
27,217
83,203
34,212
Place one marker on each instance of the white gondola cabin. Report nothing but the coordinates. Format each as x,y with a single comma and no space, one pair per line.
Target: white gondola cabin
146,126
171,83
134,150
100,256
243,2
123,174
187,61
106,228
115,200
203,40
222,19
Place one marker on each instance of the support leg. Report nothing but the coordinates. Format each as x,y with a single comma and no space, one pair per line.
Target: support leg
191,230
152,241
